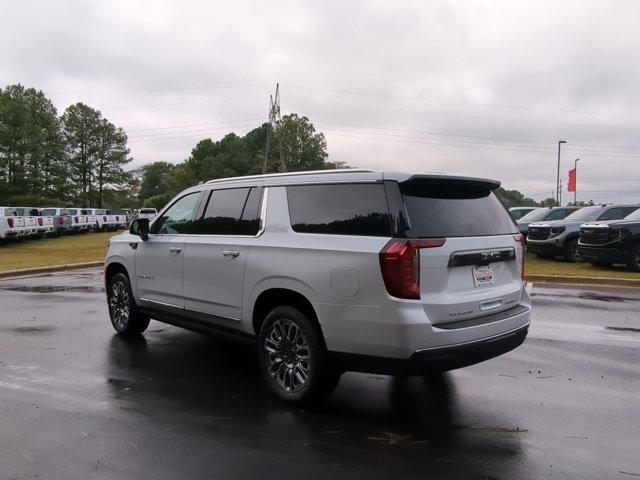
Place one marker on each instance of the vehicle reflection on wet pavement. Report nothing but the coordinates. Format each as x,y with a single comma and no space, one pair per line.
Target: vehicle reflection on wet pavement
77,401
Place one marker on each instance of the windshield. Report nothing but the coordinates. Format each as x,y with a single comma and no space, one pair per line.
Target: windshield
535,215
586,213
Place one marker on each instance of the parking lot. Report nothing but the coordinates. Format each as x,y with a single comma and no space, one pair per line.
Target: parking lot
76,401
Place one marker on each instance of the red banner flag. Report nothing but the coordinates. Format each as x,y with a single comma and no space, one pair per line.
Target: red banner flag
571,186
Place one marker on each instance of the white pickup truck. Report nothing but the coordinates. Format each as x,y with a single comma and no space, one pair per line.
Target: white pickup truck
36,224
91,218
79,221
11,225
104,220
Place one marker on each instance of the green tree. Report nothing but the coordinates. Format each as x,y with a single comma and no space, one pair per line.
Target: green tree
80,126
301,147
153,177
513,198
31,146
548,202
96,153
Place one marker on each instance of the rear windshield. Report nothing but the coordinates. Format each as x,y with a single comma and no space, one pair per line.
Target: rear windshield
9,212
535,215
148,210
85,212
454,208
73,211
49,211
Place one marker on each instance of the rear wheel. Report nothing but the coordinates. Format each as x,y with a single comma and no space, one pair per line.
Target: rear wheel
125,317
571,253
293,360
634,259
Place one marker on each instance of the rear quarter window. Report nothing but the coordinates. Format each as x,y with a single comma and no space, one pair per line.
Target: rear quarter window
454,208
339,209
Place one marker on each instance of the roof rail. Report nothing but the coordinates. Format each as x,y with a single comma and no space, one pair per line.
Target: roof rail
305,172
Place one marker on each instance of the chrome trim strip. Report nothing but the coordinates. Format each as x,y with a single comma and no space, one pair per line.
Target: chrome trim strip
161,303
481,340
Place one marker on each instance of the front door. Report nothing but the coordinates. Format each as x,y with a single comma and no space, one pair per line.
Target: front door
216,253
159,259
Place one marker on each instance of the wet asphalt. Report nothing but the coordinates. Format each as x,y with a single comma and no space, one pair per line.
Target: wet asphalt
77,401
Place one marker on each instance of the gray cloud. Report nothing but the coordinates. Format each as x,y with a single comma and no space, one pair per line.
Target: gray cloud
579,56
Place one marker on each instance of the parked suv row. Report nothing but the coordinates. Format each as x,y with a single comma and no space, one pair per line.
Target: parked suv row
606,242
550,239
330,272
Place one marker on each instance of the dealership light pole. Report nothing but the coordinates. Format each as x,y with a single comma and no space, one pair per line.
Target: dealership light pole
575,179
558,175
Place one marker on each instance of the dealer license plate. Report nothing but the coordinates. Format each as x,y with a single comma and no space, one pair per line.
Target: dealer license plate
482,276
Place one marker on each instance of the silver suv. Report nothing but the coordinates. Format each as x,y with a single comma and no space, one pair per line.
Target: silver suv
333,271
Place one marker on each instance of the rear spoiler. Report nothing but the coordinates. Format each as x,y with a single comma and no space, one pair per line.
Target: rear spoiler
448,186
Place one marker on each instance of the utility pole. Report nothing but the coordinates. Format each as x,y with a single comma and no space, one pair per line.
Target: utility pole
273,129
575,177
558,175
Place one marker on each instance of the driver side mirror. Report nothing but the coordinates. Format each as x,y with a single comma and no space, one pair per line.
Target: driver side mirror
140,227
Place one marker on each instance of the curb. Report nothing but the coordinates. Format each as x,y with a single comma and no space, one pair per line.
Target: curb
542,279
48,269
595,281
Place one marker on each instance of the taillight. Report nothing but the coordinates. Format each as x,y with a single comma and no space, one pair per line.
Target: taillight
104,219
10,222
400,265
40,221
518,237
61,220
76,219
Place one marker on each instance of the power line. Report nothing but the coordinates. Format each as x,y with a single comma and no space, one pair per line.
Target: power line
195,125
454,115
240,99
460,102
481,146
170,89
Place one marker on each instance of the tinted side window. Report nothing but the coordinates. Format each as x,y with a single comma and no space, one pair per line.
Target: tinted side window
611,214
231,212
350,209
177,219
628,210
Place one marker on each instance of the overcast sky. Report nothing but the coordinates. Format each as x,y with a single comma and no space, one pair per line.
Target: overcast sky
479,88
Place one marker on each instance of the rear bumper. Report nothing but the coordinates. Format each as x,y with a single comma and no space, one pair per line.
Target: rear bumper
602,254
437,359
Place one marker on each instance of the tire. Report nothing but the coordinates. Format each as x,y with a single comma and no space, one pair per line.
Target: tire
634,259
123,312
293,359
571,253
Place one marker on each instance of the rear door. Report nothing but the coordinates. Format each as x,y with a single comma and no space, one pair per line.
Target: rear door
159,259
477,271
216,252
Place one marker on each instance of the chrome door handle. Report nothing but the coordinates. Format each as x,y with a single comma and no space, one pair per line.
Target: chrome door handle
230,253
175,250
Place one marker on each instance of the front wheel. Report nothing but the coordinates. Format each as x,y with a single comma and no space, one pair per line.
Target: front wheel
571,253
125,317
293,360
634,259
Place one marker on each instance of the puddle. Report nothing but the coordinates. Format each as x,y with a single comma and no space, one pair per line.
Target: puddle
53,288
583,296
39,330
622,329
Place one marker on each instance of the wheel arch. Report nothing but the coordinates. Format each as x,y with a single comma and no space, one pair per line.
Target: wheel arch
270,298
